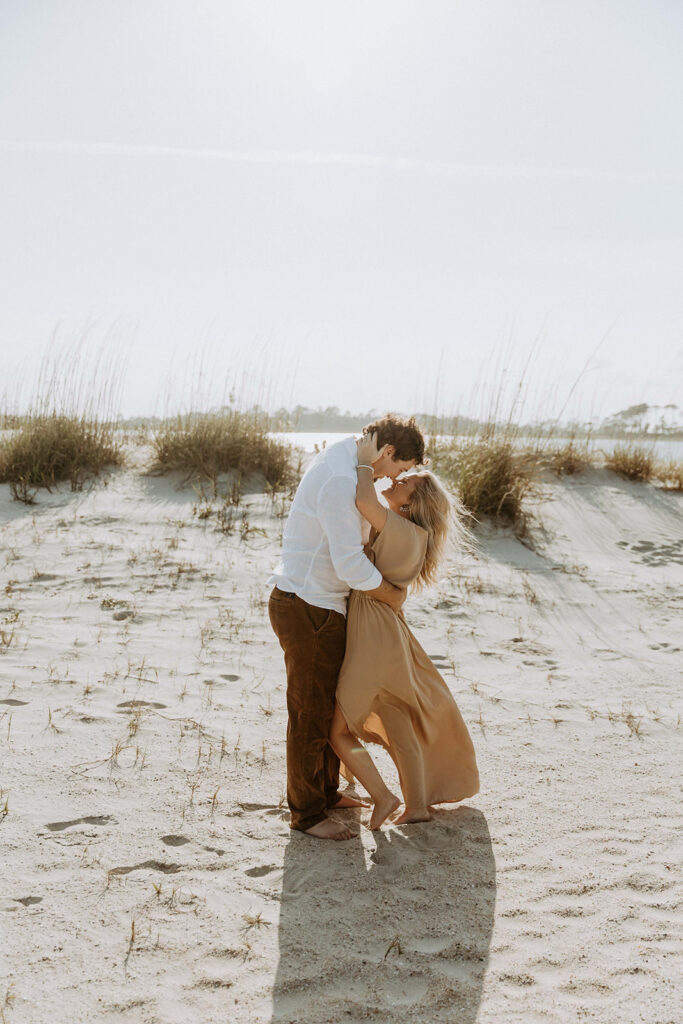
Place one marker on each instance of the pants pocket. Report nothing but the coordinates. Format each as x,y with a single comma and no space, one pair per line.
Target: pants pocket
318,617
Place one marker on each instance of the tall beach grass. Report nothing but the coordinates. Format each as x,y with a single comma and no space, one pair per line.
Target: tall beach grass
205,444
67,433
489,476
633,462
670,473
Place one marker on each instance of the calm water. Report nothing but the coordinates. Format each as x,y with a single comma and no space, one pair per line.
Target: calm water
662,449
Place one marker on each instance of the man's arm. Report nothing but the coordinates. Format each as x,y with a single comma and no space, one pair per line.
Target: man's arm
388,594
341,522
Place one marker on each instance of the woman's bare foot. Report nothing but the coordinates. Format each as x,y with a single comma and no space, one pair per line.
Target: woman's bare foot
383,808
412,814
350,801
328,828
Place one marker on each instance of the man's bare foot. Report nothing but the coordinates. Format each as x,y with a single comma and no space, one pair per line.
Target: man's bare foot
412,814
383,808
350,801
328,828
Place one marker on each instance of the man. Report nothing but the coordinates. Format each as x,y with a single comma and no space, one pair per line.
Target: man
322,560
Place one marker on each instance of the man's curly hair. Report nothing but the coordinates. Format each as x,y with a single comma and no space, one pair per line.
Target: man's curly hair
404,434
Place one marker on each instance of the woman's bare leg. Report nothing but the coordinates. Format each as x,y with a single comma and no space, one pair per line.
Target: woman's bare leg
347,749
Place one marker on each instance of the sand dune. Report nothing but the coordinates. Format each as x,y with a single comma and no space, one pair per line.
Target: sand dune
149,872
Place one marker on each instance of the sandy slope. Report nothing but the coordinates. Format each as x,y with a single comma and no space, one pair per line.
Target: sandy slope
148,871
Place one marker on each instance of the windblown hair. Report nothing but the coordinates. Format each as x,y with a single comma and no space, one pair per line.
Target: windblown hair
404,434
443,517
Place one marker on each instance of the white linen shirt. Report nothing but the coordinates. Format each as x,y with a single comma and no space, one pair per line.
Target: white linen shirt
322,545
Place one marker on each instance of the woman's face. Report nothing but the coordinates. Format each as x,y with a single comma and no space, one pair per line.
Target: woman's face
401,491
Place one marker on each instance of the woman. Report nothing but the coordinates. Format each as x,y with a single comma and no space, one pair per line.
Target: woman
389,692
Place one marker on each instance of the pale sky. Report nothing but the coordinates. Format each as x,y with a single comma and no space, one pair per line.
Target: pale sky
361,204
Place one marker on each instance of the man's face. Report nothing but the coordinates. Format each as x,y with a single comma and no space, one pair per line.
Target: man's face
388,467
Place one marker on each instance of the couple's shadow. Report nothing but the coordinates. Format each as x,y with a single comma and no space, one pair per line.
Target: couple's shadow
400,931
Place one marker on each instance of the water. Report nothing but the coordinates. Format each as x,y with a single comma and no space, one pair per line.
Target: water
663,449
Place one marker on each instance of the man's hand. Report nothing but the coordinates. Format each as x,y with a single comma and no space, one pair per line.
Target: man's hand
387,593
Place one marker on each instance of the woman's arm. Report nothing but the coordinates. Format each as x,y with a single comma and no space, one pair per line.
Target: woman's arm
367,501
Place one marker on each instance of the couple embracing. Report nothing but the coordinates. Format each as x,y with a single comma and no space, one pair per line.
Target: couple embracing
355,672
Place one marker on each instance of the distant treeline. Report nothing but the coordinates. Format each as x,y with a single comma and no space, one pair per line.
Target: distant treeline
305,420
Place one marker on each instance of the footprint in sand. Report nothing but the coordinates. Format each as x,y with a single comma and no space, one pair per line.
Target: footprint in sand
230,676
11,904
175,840
141,704
657,554
148,865
265,869
607,654
257,807
92,819
14,703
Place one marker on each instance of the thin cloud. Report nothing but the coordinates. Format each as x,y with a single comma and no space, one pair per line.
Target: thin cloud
311,159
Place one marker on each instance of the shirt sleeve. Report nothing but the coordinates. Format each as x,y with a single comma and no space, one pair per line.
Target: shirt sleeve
341,521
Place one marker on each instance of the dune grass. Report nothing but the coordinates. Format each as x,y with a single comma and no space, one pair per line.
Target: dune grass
202,445
490,476
49,448
67,432
631,462
670,473
570,458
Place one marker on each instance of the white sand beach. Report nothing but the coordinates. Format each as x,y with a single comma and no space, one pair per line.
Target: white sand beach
149,874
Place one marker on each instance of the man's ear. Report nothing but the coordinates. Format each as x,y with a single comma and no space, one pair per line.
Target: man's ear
391,451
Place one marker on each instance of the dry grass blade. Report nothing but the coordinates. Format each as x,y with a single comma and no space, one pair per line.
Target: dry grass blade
7,1004
131,943
394,944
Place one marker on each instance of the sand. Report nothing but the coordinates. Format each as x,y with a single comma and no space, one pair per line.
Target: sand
149,874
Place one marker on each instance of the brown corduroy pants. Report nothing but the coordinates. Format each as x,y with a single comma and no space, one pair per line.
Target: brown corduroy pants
313,640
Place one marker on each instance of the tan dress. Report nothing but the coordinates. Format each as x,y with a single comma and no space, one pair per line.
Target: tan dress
389,690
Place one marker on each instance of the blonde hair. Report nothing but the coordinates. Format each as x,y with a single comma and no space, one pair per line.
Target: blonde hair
443,517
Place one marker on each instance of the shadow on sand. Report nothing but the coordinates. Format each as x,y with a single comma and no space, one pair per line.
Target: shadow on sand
398,932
